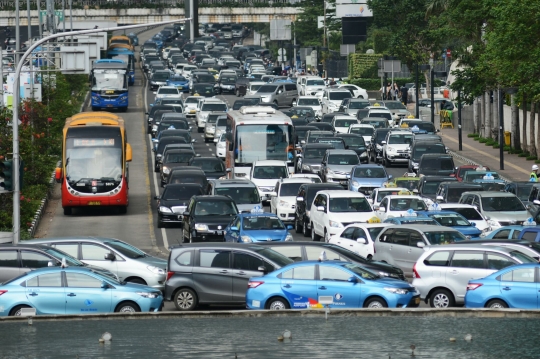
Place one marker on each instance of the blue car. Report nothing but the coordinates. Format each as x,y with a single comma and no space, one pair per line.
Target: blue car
506,232
257,227
179,81
314,284
74,290
453,220
365,178
411,220
511,287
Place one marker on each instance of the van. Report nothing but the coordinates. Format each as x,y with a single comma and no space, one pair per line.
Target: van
280,94
418,149
436,164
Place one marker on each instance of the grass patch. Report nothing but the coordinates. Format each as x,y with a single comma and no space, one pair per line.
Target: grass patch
523,154
483,140
532,158
470,135
496,145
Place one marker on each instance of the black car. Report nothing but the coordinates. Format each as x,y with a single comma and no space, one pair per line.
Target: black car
154,109
301,131
377,122
436,164
329,117
227,83
159,78
173,202
309,160
178,122
323,126
362,113
419,148
357,144
203,89
207,217
156,119
302,112
429,185
337,142
213,167
375,146
521,189
306,195
450,192
172,158
305,251
187,174
241,85
158,152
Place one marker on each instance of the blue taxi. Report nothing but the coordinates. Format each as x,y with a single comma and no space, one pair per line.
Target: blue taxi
333,284
257,226
179,81
453,220
75,290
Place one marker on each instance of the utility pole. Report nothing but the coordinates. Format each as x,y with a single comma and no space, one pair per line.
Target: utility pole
17,33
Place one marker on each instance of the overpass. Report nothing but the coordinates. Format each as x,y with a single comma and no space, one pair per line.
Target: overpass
150,15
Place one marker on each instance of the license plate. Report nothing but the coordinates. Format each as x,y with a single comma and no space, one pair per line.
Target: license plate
343,182
417,300
219,233
94,203
109,105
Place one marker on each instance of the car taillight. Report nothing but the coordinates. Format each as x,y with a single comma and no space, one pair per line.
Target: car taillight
169,275
415,273
3,291
473,286
254,284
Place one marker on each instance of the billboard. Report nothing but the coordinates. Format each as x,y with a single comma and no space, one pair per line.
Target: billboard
353,10
280,30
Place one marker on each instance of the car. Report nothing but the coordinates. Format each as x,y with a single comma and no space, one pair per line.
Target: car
226,83
402,245
465,262
522,189
154,109
311,85
206,107
342,123
357,144
355,104
257,226
221,144
302,112
164,142
363,130
376,122
170,121
187,174
171,132
399,205
531,249
337,166
179,81
311,176
253,87
478,174
502,208
213,167
335,281
283,199
359,238
506,232
265,175
453,220
173,157
310,158
311,101
126,262
409,183
382,112
411,219
244,193
88,292
395,147
280,94
432,164
357,91
203,89
159,78
428,185
332,210
172,203
378,194
451,191
168,92
419,148
337,143
365,178
332,97
216,273
489,184
460,171
472,214
206,218
375,145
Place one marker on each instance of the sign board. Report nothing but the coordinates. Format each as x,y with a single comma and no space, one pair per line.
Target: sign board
75,59
100,38
58,13
282,51
28,92
391,65
345,50
93,47
353,10
6,237
280,30
282,58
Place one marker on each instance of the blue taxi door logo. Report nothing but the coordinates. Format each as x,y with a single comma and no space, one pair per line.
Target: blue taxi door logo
88,302
338,296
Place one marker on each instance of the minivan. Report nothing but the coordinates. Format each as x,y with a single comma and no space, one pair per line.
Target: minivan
280,94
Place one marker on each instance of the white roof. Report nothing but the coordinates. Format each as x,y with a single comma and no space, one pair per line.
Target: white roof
342,194
305,175
308,97
344,117
361,125
391,189
370,225
296,180
379,110
269,163
456,205
167,87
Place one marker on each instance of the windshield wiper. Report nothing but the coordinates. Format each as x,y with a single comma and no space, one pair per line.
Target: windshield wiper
79,181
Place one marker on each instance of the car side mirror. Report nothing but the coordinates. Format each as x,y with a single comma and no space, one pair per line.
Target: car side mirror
420,244
104,285
155,92
376,207
216,140
361,240
439,198
473,224
234,229
390,177
381,209
352,280
370,200
50,264
261,269
290,226
185,214
156,197
303,142
536,202
320,208
415,191
383,142
272,194
110,257
299,199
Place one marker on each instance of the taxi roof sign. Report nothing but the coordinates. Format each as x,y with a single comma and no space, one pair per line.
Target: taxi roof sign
257,209
434,207
411,213
529,222
374,220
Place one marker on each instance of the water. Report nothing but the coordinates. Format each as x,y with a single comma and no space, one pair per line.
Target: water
247,338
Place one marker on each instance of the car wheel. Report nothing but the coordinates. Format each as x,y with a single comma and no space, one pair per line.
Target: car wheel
297,227
199,129
127,307
277,304
496,304
136,281
156,169
387,163
441,298
276,103
237,93
305,230
149,130
185,299
314,236
375,302
326,236
16,312
122,210
67,211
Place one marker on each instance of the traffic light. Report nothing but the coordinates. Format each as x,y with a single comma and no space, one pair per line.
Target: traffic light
6,171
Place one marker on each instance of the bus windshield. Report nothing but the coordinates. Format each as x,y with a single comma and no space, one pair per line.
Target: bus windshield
93,159
127,58
109,80
262,142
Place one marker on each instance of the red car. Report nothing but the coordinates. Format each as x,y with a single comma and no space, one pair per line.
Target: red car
460,171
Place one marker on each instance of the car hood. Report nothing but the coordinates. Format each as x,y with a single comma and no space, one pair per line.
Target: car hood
247,206
175,83
266,234
214,175
264,182
312,161
396,283
369,182
341,168
174,203
175,164
153,261
509,216
469,231
223,220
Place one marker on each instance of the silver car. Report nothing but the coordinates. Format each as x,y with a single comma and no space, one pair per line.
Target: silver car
210,126
442,273
336,166
129,263
502,208
244,192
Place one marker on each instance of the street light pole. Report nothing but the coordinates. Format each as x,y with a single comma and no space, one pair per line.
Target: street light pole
432,91
16,99
501,130
460,138
416,84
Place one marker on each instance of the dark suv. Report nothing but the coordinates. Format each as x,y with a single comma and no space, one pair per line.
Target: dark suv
436,164
429,185
241,85
306,195
206,218
375,146
216,273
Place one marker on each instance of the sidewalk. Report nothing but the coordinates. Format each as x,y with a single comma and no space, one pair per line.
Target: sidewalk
515,168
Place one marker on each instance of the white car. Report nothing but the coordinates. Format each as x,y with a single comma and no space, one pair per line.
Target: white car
265,175
221,146
205,107
332,98
398,205
312,176
380,111
312,86
311,101
396,147
357,91
359,238
190,105
363,130
378,194
179,69
226,71
283,199
333,210
472,214
186,71
168,92
225,58
343,122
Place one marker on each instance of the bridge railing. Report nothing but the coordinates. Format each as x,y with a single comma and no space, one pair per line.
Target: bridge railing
133,4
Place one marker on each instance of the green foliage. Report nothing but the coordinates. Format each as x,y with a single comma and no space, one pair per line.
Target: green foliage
532,158
473,135
524,154
363,65
496,145
483,140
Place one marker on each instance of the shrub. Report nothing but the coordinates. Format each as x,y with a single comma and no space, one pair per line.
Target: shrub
496,145
483,140
532,158
470,135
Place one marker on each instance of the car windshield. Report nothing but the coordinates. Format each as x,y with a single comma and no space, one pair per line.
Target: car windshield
363,131
313,153
255,87
215,208
262,223
425,126
344,122
267,89
59,255
354,204
358,105
214,107
203,88
360,271
454,194
405,139
171,101
370,172
258,142
160,76
308,102
126,249
270,172
172,193
382,194
354,141
274,256
450,220
168,91
502,204
472,175
315,83
341,95
241,195
444,237
208,165
470,213
221,121
178,157
431,187
289,189
302,112
343,159
404,204
420,150
337,143
376,124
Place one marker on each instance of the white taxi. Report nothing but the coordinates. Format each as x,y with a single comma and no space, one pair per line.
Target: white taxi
398,205
359,238
283,199
379,193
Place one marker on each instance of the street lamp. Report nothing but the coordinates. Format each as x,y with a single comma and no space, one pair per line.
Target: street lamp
510,91
418,69
433,74
325,75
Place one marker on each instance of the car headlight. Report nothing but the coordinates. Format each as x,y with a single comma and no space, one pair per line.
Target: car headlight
415,165
149,294
95,98
335,224
493,223
330,172
164,209
396,290
283,204
355,184
246,239
154,128
306,168
307,213
384,274
379,147
289,237
364,154
159,155
156,270
166,170
486,230
201,227
390,149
